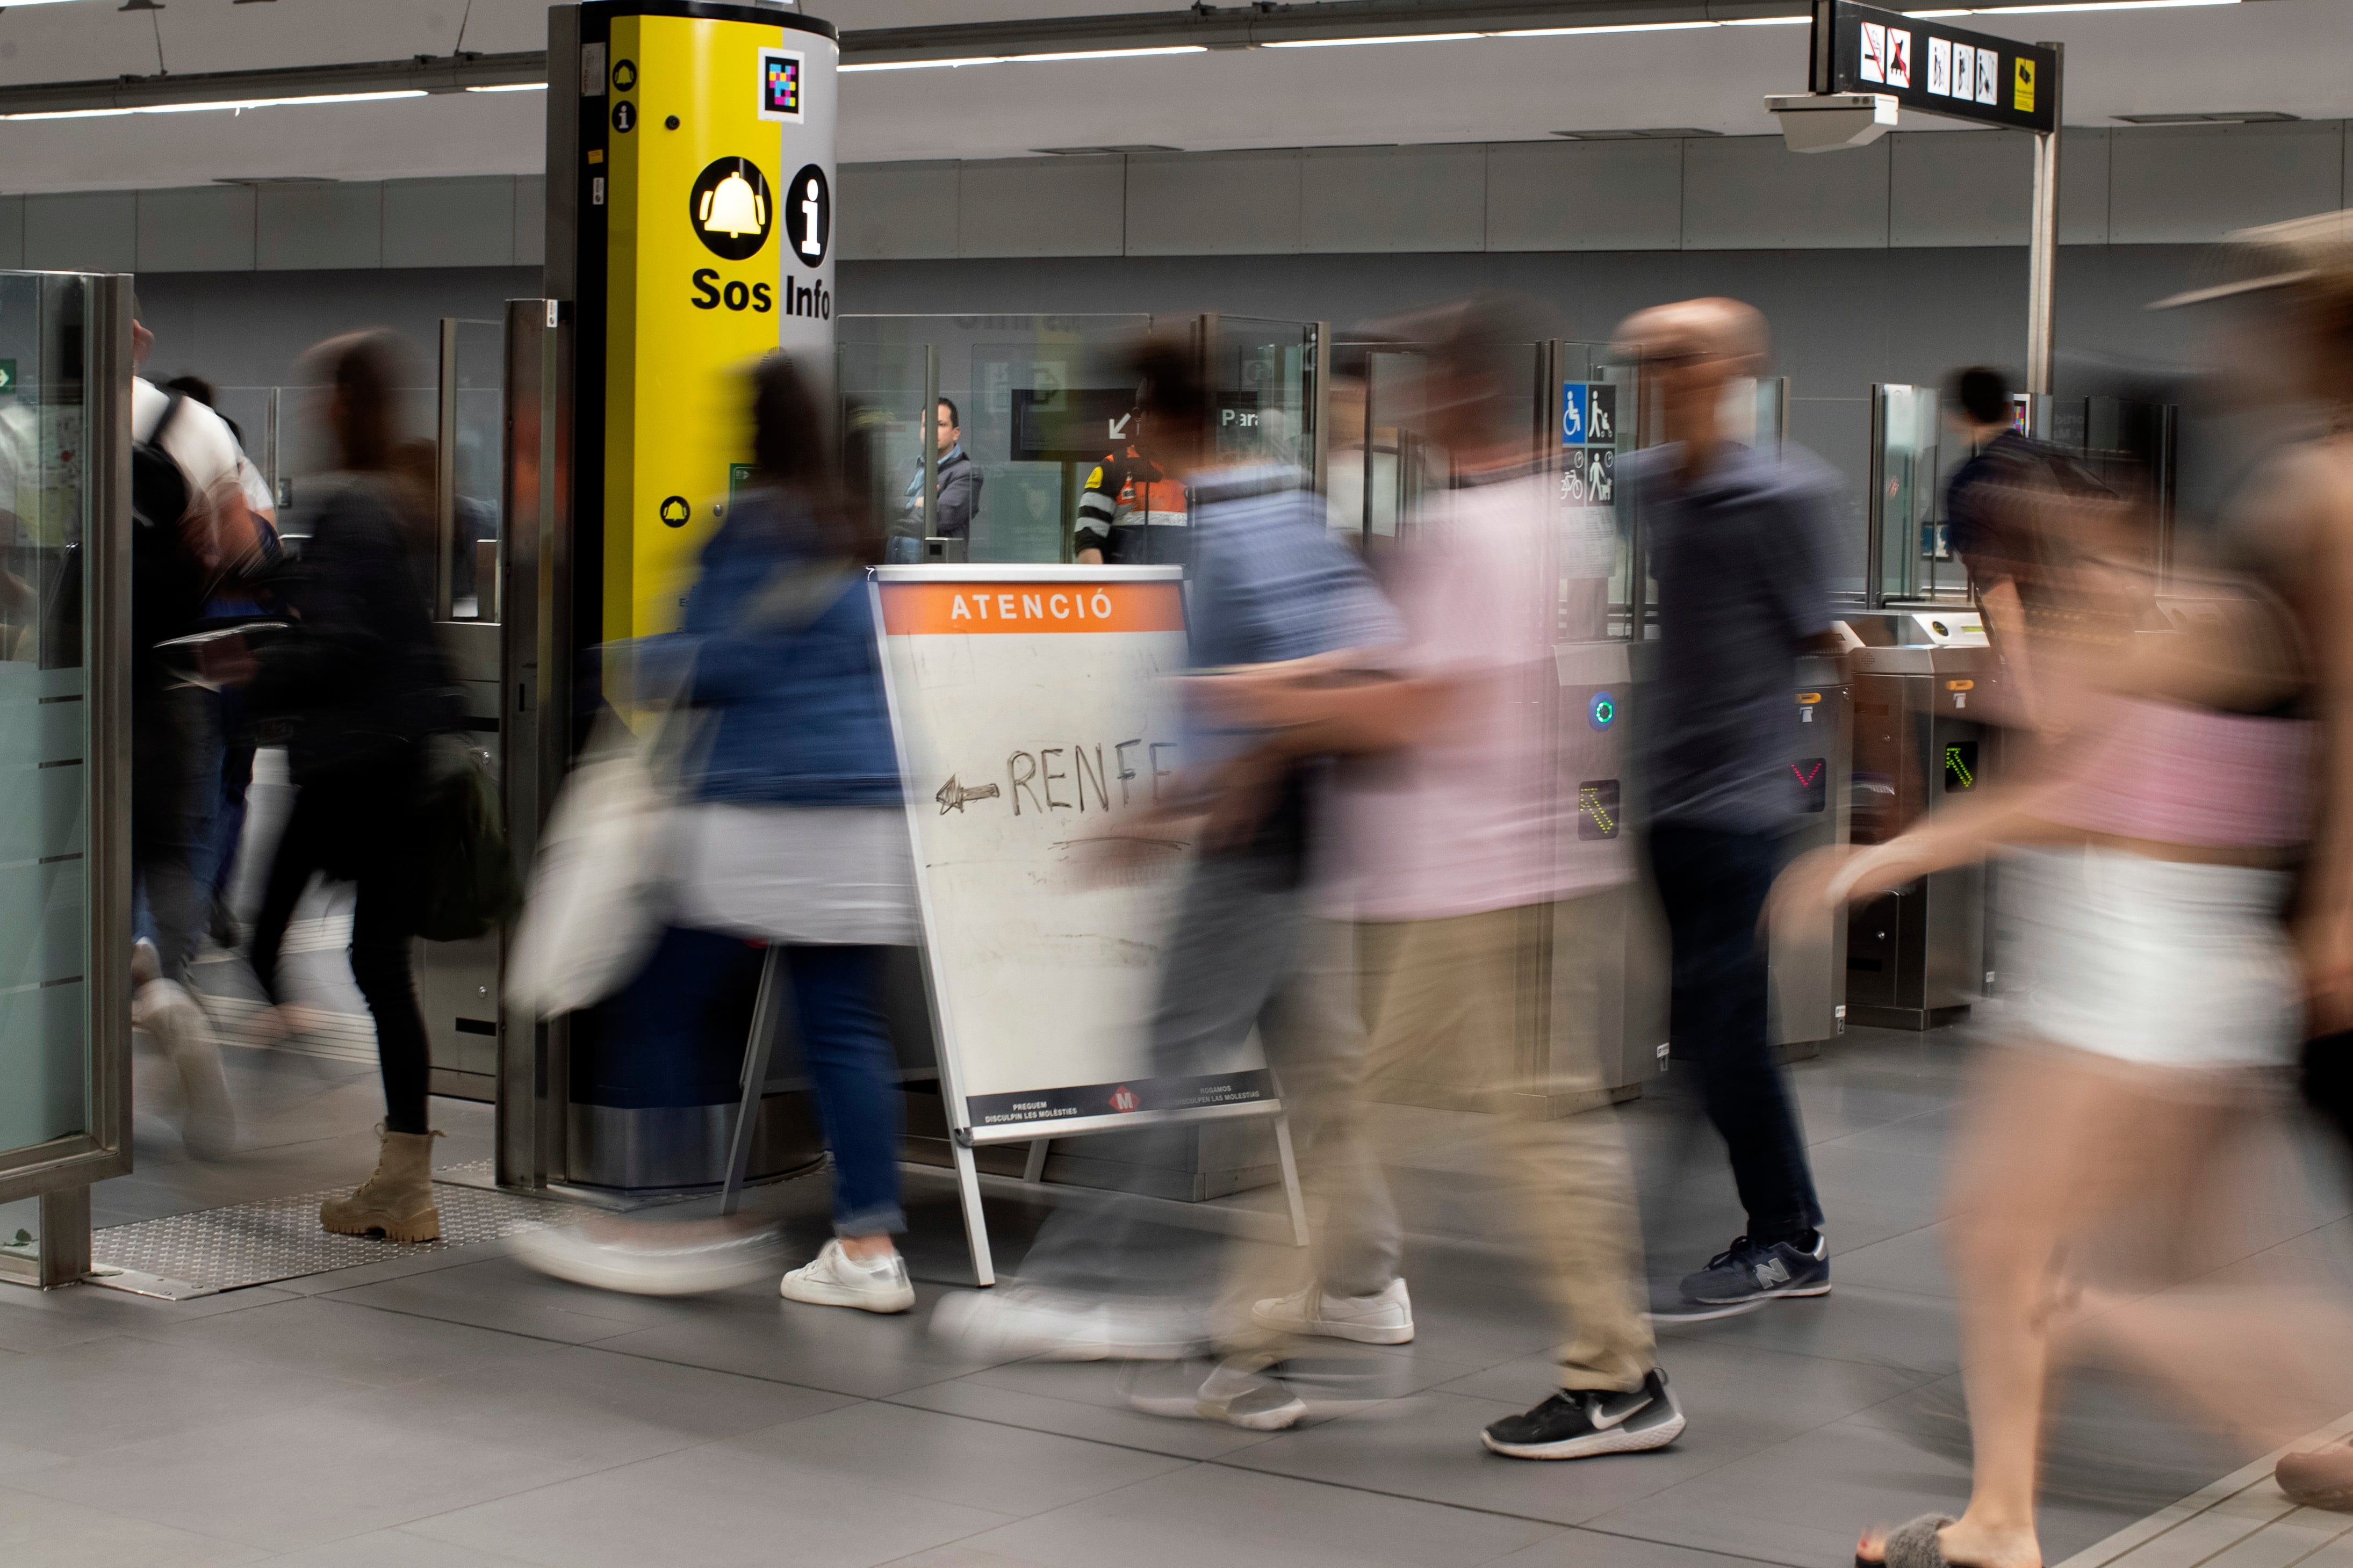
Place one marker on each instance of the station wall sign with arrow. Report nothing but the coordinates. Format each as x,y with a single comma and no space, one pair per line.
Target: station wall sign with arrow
1932,66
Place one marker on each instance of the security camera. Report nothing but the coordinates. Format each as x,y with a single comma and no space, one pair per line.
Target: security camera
1826,121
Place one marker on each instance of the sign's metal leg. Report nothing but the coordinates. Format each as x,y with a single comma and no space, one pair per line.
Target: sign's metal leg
1297,1200
975,1223
1034,1168
756,1051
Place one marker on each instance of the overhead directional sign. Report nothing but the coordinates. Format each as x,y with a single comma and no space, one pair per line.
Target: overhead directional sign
1932,66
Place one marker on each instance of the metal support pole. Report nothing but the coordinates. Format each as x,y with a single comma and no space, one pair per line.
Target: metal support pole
64,1236
930,440
757,1051
2042,244
445,475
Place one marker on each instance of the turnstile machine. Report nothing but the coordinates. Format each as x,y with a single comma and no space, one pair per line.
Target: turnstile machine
1807,967
1918,957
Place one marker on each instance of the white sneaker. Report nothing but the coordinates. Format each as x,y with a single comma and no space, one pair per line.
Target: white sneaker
651,1258
1012,1321
834,1279
1383,1320
1237,1393
166,1014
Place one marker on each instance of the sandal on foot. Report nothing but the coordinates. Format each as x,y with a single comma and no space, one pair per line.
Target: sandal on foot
1912,1544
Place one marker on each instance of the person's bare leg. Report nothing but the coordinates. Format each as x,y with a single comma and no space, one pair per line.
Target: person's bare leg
2023,1182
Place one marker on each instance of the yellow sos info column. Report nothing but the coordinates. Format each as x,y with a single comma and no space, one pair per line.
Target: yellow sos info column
703,156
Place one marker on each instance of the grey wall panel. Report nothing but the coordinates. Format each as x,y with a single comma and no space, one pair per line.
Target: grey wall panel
897,211
89,231
1041,206
449,223
2178,184
197,228
1959,187
1584,195
2084,153
300,227
1217,203
1751,192
12,231
1394,198
530,220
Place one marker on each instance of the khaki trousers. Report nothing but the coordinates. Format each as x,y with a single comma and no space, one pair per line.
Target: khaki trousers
1473,1003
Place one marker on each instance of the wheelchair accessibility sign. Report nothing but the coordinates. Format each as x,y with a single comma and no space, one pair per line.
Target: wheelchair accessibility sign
1588,415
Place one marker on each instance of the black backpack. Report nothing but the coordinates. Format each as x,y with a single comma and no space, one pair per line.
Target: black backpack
168,581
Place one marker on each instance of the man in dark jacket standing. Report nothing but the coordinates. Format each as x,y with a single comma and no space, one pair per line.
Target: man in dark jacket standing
959,495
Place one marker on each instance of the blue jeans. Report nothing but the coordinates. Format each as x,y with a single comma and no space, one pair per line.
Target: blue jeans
846,1046
675,1036
1713,883
902,550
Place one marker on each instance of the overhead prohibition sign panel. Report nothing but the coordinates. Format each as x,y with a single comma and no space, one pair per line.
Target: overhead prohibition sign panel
1930,65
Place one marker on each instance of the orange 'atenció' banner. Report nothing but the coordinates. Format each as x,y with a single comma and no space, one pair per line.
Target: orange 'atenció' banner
946,609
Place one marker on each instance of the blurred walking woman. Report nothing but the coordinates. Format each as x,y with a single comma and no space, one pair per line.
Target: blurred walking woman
791,833
362,682
2152,853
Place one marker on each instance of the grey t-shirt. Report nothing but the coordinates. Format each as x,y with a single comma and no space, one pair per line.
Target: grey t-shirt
1743,574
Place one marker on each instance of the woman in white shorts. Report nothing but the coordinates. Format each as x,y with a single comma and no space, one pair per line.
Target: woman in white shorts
2149,839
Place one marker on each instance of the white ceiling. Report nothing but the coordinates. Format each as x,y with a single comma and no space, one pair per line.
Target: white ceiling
2285,55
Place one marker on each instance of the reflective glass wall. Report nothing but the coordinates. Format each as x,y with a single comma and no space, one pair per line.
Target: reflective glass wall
1031,396
65,377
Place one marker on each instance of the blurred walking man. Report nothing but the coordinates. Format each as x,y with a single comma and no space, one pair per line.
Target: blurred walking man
1737,548
1462,864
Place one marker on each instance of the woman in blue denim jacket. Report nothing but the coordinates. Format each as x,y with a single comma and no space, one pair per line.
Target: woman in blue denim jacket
791,832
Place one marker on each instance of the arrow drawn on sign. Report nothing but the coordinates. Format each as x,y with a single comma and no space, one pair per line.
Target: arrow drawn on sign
952,795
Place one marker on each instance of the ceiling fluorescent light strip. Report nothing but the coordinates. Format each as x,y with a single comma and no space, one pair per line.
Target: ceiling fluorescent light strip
512,86
237,105
1017,59
1350,43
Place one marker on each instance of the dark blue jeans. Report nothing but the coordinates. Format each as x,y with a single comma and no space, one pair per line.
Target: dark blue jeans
1714,883
675,1036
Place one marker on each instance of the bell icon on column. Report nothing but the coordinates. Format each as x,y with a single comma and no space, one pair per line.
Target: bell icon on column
732,208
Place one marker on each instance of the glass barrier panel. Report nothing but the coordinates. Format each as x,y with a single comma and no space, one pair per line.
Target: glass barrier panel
45,804
1037,399
482,433
1916,558
1262,374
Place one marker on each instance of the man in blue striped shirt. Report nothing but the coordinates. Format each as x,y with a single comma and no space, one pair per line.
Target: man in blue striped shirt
1269,594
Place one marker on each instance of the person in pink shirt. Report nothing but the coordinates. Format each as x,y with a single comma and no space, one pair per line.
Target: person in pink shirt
1463,871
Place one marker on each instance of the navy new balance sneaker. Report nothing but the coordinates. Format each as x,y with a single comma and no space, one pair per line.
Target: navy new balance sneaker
1574,1425
1746,1273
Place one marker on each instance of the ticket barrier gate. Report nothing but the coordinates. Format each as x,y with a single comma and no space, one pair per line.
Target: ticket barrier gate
1918,958
1806,973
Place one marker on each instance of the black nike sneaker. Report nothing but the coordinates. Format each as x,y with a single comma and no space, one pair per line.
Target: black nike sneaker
1576,1424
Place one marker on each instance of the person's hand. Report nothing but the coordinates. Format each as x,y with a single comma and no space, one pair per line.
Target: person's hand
2325,944
1834,876
1239,794
225,661
1137,850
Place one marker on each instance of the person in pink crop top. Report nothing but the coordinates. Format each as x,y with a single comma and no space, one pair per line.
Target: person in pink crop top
2146,843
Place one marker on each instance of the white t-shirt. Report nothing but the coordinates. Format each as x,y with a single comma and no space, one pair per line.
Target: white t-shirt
199,438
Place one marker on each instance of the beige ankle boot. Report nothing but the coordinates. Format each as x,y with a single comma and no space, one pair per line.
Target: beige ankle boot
397,1200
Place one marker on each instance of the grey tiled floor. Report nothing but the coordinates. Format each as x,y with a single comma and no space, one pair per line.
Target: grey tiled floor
457,1410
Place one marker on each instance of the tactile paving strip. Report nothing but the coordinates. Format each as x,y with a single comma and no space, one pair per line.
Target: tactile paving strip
228,1248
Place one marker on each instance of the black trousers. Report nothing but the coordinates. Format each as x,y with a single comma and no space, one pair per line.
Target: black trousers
1714,883
357,828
